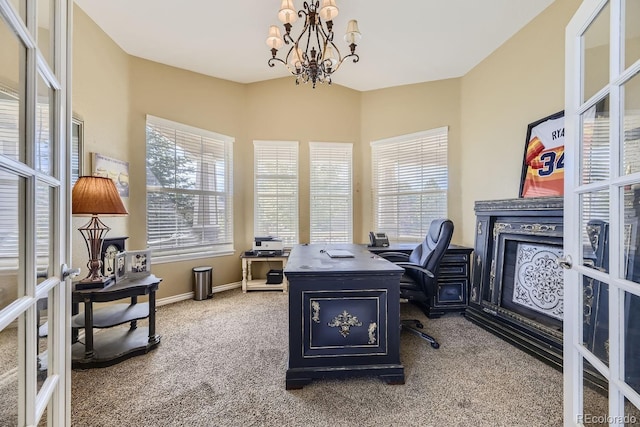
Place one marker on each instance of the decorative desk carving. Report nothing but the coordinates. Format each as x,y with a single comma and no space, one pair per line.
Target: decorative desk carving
344,321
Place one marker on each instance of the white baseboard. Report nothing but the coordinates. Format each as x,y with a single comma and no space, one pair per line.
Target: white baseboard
189,295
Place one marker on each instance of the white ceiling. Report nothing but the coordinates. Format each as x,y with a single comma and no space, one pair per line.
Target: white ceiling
403,41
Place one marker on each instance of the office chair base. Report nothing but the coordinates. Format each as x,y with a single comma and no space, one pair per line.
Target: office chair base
411,325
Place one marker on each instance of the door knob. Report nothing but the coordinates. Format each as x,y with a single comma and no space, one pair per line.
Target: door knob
565,262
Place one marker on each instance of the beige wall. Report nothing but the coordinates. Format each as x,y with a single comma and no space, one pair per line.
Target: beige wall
101,97
487,112
196,100
280,110
521,82
404,110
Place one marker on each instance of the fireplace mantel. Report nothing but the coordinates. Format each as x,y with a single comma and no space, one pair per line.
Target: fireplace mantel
509,234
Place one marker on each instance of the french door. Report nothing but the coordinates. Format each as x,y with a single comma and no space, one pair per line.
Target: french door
34,218
602,214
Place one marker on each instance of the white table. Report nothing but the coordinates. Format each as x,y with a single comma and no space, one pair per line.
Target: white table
251,284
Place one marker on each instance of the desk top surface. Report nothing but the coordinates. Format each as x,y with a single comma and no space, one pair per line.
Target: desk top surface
313,258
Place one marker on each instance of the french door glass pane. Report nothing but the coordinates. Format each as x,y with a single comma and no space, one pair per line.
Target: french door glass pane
19,6
46,28
11,95
42,340
595,229
44,130
595,164
631,125
44,208
596,47
595,326
595,404
631,414
596,54
11,237
9,375
630,238
632,35
631,335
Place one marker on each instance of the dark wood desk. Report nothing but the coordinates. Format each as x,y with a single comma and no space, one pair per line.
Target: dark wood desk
116,344
344,315
454,278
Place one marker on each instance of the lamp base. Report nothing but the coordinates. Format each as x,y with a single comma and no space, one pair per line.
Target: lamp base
103,282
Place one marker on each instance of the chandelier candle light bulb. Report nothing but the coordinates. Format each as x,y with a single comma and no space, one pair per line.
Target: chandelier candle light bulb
313,56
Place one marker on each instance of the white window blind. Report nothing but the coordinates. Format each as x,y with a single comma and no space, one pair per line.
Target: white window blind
276,190
11,106
189,190
410,183
331,192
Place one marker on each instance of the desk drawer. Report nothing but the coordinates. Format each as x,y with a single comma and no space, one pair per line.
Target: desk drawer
453,270
455,258
452,292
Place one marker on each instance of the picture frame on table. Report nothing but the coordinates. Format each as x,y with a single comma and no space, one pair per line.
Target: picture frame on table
110,247
138,263
543,161
120,267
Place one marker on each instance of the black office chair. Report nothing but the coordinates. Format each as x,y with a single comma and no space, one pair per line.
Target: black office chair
419,280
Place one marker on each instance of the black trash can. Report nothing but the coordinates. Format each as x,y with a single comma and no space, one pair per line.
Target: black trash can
202,287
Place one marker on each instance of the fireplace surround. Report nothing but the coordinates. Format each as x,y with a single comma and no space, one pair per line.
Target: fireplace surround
516,290
517,286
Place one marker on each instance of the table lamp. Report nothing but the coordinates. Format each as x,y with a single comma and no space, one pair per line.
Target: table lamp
95,196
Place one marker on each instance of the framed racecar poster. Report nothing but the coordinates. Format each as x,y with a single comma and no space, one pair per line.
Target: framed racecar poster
543,162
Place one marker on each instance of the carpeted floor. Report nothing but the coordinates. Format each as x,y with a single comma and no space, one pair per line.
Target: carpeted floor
222,362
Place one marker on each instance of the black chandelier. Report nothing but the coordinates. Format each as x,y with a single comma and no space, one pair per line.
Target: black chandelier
313,56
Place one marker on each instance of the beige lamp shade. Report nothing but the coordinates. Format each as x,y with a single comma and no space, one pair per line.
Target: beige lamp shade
330,55
287,14
296,57
274,39
328,10
353,33
93,195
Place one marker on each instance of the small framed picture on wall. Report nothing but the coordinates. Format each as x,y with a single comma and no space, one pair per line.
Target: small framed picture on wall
138,263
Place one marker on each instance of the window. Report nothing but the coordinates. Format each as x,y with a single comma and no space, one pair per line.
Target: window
410,183
276,190
331,192
11,108
189,191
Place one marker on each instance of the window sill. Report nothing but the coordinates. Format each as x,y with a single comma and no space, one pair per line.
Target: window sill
163,259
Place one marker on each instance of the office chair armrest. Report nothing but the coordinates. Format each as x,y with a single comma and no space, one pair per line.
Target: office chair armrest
386,255
408,265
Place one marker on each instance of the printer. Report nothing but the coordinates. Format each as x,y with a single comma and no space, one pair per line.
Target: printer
268,245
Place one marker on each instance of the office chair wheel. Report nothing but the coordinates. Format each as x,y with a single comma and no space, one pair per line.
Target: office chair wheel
419,325
435,345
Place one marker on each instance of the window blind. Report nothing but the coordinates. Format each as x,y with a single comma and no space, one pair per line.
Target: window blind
410,183
11,196
276,190
189,189
331,194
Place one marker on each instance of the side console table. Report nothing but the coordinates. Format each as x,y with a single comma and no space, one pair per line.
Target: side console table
251,284
454,278
115,344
